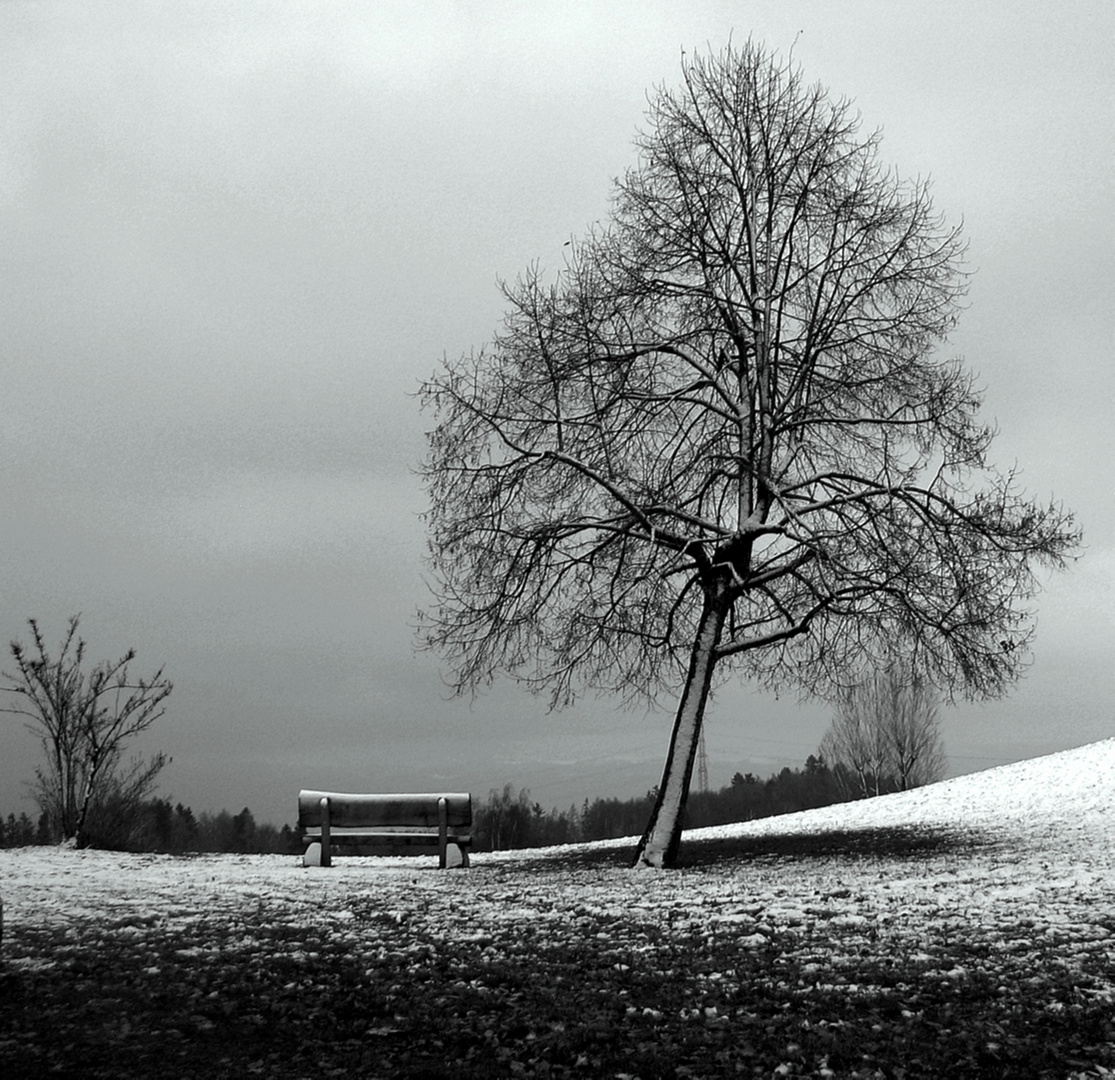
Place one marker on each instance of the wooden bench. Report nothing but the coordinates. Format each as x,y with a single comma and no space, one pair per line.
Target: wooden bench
385,824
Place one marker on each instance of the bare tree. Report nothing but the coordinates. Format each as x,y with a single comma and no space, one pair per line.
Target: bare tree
852,741
85,722
887,732
917,752
724,441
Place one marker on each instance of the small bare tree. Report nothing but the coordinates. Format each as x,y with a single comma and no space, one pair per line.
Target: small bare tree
887,733
725,439
852,741
85,720
917,752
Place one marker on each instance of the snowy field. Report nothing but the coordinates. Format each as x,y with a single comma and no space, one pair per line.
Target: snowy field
867,939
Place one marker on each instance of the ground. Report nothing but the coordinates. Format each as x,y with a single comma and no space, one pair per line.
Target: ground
967,929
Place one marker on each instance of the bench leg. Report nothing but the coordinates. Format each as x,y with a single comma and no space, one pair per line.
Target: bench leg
326,855
442,832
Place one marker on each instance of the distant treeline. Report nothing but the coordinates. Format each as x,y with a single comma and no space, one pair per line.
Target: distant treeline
21,831
156,826
508,820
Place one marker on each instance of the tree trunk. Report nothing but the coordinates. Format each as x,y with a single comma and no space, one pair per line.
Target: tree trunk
660,842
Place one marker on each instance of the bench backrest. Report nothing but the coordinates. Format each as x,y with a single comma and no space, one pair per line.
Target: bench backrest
348,811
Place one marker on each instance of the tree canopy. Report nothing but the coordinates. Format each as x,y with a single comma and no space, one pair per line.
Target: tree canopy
725,439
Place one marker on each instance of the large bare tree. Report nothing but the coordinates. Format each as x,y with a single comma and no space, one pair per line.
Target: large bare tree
85,720
724,439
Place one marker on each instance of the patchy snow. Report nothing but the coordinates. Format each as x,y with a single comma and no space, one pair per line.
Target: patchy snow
1041,854
1006,875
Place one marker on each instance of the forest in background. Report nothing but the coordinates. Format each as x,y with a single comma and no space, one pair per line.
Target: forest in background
157,826
884,736
509,820
506,819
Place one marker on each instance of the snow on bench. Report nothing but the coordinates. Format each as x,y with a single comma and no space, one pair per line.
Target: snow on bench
349,824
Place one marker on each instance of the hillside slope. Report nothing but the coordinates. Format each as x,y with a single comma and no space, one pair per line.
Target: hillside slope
1072,789
967,929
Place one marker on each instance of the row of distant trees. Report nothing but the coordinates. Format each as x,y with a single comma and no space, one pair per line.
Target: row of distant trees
156,825
508,820
22,831
885,737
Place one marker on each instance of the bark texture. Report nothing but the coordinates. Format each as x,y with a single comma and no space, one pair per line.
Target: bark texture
660,842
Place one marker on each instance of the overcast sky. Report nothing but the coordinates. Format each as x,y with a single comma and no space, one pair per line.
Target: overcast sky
234,237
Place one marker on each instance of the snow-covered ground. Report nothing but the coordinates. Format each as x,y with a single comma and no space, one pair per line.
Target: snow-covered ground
973,919
1027,856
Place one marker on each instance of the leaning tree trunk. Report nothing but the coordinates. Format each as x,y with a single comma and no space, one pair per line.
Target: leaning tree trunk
660,842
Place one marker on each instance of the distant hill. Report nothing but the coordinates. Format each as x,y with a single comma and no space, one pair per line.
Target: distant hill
1073,788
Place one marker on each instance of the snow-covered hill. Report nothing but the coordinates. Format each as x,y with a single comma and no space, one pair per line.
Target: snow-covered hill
990,888
1073,790
1051,817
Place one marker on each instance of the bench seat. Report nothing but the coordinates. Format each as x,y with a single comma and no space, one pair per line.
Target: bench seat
388,824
